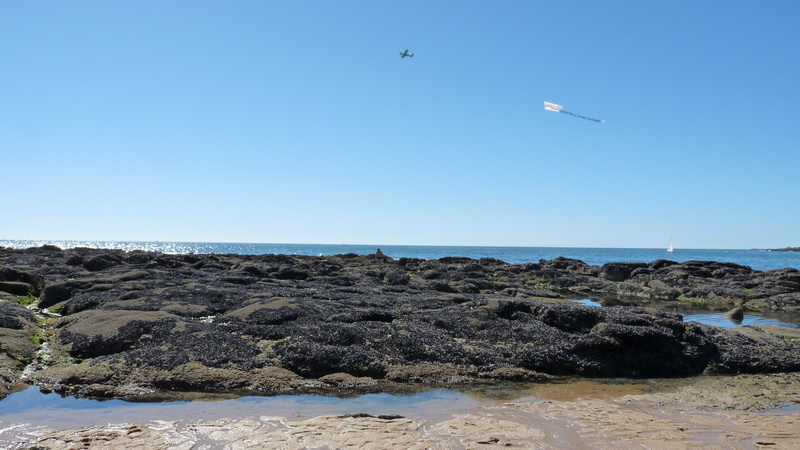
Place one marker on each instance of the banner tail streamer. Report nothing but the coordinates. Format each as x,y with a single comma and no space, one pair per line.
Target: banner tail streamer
558,108
582,117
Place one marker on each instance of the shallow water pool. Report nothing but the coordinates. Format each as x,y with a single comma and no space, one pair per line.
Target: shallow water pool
22,413
718,319
53,410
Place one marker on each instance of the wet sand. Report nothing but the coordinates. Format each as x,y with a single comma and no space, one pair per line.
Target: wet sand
706,412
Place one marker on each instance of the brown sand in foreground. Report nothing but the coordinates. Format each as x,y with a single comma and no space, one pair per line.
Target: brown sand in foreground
697,415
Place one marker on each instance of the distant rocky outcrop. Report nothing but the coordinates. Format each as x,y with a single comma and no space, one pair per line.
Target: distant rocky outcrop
131,323
785,249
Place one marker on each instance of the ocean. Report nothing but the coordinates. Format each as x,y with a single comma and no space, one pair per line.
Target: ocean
756,259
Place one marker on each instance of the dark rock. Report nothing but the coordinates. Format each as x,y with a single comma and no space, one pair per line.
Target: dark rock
74,260
17,348
17,288
564,263
58,292
134,321
750,349
100,262
619,271
398,278
290,273
442,287
21,282
735,315
661,263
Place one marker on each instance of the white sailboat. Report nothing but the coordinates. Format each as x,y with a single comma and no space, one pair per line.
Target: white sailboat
670,249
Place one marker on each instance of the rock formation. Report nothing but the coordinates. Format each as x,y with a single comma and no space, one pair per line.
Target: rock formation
120,324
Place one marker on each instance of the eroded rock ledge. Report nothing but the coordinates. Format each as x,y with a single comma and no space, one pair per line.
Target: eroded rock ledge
130,323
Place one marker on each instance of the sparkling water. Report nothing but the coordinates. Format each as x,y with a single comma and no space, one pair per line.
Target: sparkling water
756,259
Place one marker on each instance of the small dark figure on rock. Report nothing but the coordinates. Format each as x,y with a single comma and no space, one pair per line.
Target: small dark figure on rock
379,257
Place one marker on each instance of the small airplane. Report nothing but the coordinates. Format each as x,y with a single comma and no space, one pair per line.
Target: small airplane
405,53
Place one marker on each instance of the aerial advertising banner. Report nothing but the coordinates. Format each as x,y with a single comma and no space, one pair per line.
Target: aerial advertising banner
551,106
558,108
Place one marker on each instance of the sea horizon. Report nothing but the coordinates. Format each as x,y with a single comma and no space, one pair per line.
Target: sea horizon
14,243
758,259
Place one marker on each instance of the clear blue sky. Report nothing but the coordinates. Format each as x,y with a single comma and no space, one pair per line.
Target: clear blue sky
298,122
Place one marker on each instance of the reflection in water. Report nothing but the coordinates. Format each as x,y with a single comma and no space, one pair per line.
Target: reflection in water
36,409
51,410
718,319
25,411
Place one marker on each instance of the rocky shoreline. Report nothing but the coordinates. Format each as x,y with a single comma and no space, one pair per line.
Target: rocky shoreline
107,323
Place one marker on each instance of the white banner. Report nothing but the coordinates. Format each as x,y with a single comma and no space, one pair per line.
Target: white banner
551,106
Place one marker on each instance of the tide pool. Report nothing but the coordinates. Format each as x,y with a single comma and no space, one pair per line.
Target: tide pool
22,413
718,319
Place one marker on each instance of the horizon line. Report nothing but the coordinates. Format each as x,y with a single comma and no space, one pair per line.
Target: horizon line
109,241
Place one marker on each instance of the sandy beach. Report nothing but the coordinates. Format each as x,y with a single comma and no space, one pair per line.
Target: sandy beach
738,412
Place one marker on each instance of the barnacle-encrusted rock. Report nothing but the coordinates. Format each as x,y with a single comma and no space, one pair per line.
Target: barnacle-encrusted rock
133,322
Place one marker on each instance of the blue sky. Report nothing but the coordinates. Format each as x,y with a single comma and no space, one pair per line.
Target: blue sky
298,122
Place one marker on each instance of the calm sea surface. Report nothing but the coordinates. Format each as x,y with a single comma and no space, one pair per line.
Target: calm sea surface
756,259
